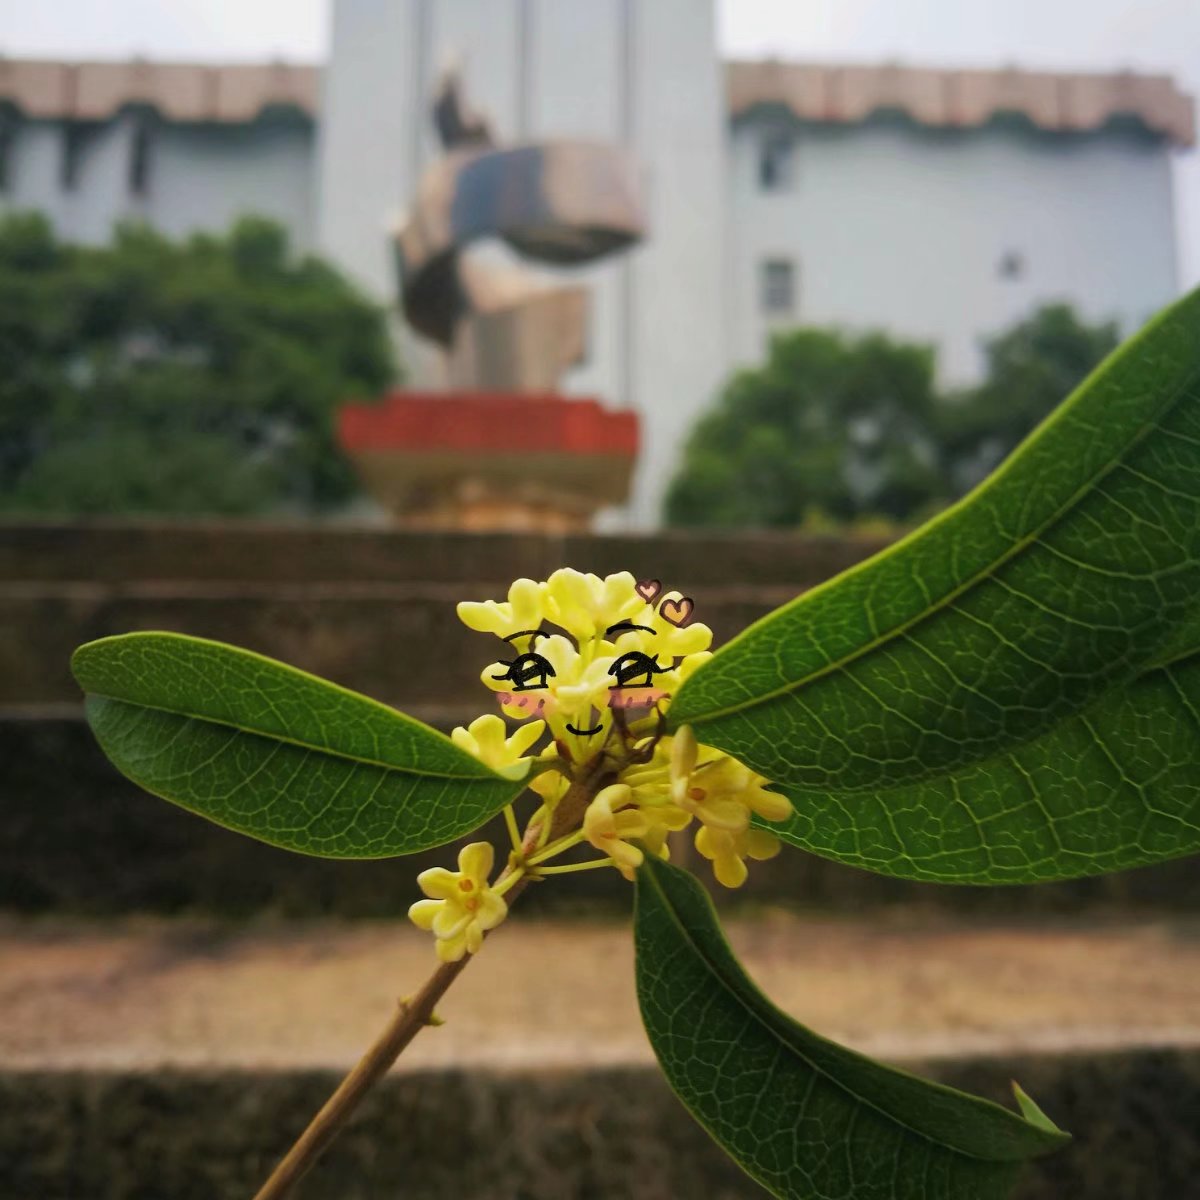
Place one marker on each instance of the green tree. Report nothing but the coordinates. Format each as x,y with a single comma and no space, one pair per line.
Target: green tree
855,427
152,376
833,423
1030,368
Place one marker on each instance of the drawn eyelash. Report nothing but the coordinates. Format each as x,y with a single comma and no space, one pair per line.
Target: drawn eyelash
632,664
527,672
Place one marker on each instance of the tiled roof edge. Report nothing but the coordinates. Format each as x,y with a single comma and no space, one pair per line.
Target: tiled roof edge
841,94
1055,101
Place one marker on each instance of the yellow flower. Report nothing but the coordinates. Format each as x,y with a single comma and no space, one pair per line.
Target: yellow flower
524,610
685,751
586,605
485,739
565,682
668,640
462,905
721,791
662,819
609,831
566,686
728,851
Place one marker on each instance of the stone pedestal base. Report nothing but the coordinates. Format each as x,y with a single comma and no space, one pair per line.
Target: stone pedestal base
488,461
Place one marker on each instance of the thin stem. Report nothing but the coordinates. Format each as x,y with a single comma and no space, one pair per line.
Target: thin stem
542,831
514,834
373,1065
556,847
508,881
568,868
412,1016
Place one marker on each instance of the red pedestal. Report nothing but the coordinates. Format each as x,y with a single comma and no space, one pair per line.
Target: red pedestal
479,460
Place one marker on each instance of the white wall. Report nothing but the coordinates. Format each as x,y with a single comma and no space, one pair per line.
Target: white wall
902,228
206,176
577,62
368,134
200,176
35,156
681,350
101,192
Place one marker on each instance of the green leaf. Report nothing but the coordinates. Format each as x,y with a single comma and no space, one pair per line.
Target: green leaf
1112,787
278,754
810,1120
1063,575
1031,1110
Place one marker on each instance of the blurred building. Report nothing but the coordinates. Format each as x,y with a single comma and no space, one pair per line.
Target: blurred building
940,205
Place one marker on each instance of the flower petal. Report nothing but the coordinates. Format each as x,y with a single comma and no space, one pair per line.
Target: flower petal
475,862
625,855
422,913
615,796
491,911
438,883
474,937
771,806
451,949
526,599
762,845
485,616
525,737
450,921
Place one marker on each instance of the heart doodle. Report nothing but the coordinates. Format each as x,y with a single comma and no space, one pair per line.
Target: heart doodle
648,589
676,612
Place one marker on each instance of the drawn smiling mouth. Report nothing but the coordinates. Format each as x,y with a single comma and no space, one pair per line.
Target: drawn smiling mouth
584,732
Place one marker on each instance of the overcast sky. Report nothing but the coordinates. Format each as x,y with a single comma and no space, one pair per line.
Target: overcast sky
1147,35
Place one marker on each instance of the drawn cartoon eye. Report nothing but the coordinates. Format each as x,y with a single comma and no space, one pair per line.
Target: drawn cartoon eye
629,668
527,672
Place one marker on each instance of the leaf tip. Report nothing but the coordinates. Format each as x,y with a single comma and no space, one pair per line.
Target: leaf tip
1033,1113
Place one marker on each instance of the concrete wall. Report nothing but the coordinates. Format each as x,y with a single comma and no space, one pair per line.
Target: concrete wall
340,602
77,838
354,606
200,177
599,1133
903,228
644,73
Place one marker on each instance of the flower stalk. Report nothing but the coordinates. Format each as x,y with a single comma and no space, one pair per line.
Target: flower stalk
610,776
410,1018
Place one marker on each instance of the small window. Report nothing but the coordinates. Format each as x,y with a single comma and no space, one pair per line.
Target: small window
74,137
139,159
8,138
776,161
778,287
1011,265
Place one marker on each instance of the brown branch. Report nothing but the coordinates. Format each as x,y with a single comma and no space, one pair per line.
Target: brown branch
412,1016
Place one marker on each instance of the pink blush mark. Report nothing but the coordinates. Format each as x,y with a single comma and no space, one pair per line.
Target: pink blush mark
643,697
535,705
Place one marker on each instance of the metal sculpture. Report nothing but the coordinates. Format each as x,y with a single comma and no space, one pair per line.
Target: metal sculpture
559,203
499,447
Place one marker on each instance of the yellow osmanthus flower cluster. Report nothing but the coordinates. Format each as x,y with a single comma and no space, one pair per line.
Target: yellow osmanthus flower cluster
594,663
461,906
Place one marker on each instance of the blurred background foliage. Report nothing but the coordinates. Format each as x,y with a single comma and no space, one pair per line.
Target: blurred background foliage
195,377
203,376
836,429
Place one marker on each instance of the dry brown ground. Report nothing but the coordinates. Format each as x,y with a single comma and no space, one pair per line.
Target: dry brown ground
149,993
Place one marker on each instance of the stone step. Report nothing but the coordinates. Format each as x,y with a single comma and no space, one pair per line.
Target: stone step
123,552
370,608
75,836
400,643
152,1058
140,993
